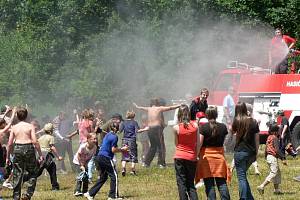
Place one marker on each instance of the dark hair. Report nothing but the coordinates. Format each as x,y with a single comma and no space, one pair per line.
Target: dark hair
204,90
22,113
212,114
113,127
184,115
274,128
154,102
241,122
2,123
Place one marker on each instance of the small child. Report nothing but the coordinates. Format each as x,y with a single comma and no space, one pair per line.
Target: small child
49,152
130,128
104,161
84,154
272,154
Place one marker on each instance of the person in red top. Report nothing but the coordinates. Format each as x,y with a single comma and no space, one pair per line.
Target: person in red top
280,46
187,148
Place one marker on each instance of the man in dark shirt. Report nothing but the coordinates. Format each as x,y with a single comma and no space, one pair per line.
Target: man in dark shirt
199,104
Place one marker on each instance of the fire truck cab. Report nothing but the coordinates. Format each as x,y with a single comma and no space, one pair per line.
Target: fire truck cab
267,92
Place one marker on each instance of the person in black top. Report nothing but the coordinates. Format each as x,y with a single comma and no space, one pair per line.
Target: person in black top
199,104
212,156
246,148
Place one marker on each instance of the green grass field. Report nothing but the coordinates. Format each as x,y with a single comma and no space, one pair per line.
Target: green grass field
160,184
154,183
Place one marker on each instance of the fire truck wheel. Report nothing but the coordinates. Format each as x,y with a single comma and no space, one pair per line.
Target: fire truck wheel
296,135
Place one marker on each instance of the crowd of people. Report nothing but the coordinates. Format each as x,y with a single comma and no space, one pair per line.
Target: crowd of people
199,157
27,149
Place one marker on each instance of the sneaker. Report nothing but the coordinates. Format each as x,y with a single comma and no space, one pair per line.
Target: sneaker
123,172
297,178
133,173
162,166
199,184
7,185
260,190
88,196
278,192
77,194
118,198
55,189
25,197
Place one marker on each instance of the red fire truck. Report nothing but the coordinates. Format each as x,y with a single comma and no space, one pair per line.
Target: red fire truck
267,92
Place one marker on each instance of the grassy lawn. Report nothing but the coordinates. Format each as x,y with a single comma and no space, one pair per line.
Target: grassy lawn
160,184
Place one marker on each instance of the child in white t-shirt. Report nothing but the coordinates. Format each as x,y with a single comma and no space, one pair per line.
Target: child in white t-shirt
84,154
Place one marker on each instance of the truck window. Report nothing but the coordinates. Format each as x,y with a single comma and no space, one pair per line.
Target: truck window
224,82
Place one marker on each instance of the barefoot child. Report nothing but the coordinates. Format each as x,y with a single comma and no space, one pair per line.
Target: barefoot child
272,154
49,152
84,154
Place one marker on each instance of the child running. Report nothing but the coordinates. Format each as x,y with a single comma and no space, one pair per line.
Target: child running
273,152
49,152
84,154
104,161
129,127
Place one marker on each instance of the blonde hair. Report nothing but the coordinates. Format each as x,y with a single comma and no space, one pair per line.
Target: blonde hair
130,114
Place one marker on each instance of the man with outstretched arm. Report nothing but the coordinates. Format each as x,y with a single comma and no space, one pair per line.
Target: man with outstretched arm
155,129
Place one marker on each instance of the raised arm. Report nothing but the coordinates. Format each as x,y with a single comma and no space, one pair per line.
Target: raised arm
140,107
10,121
167,108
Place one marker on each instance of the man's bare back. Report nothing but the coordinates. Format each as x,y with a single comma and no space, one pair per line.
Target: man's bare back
24,133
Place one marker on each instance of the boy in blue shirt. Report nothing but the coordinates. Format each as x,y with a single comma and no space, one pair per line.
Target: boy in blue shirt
104,160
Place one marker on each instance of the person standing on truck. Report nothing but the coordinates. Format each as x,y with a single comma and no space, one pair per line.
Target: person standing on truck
279,48
199,104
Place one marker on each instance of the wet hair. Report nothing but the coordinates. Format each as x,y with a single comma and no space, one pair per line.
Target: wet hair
249,108
89,135
22,113
154,102
183,115
114,127
85,114
130,114
212,114
204,90
241,122
273,128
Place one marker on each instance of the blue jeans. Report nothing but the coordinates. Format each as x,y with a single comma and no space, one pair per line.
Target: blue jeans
91,167
210,188
241,161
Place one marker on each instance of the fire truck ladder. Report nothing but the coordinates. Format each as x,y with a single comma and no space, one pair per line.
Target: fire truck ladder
255,69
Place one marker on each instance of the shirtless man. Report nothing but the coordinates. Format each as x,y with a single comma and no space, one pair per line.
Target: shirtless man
155,130
23,138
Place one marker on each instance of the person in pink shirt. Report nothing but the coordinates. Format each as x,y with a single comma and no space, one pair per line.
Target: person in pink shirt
85,126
